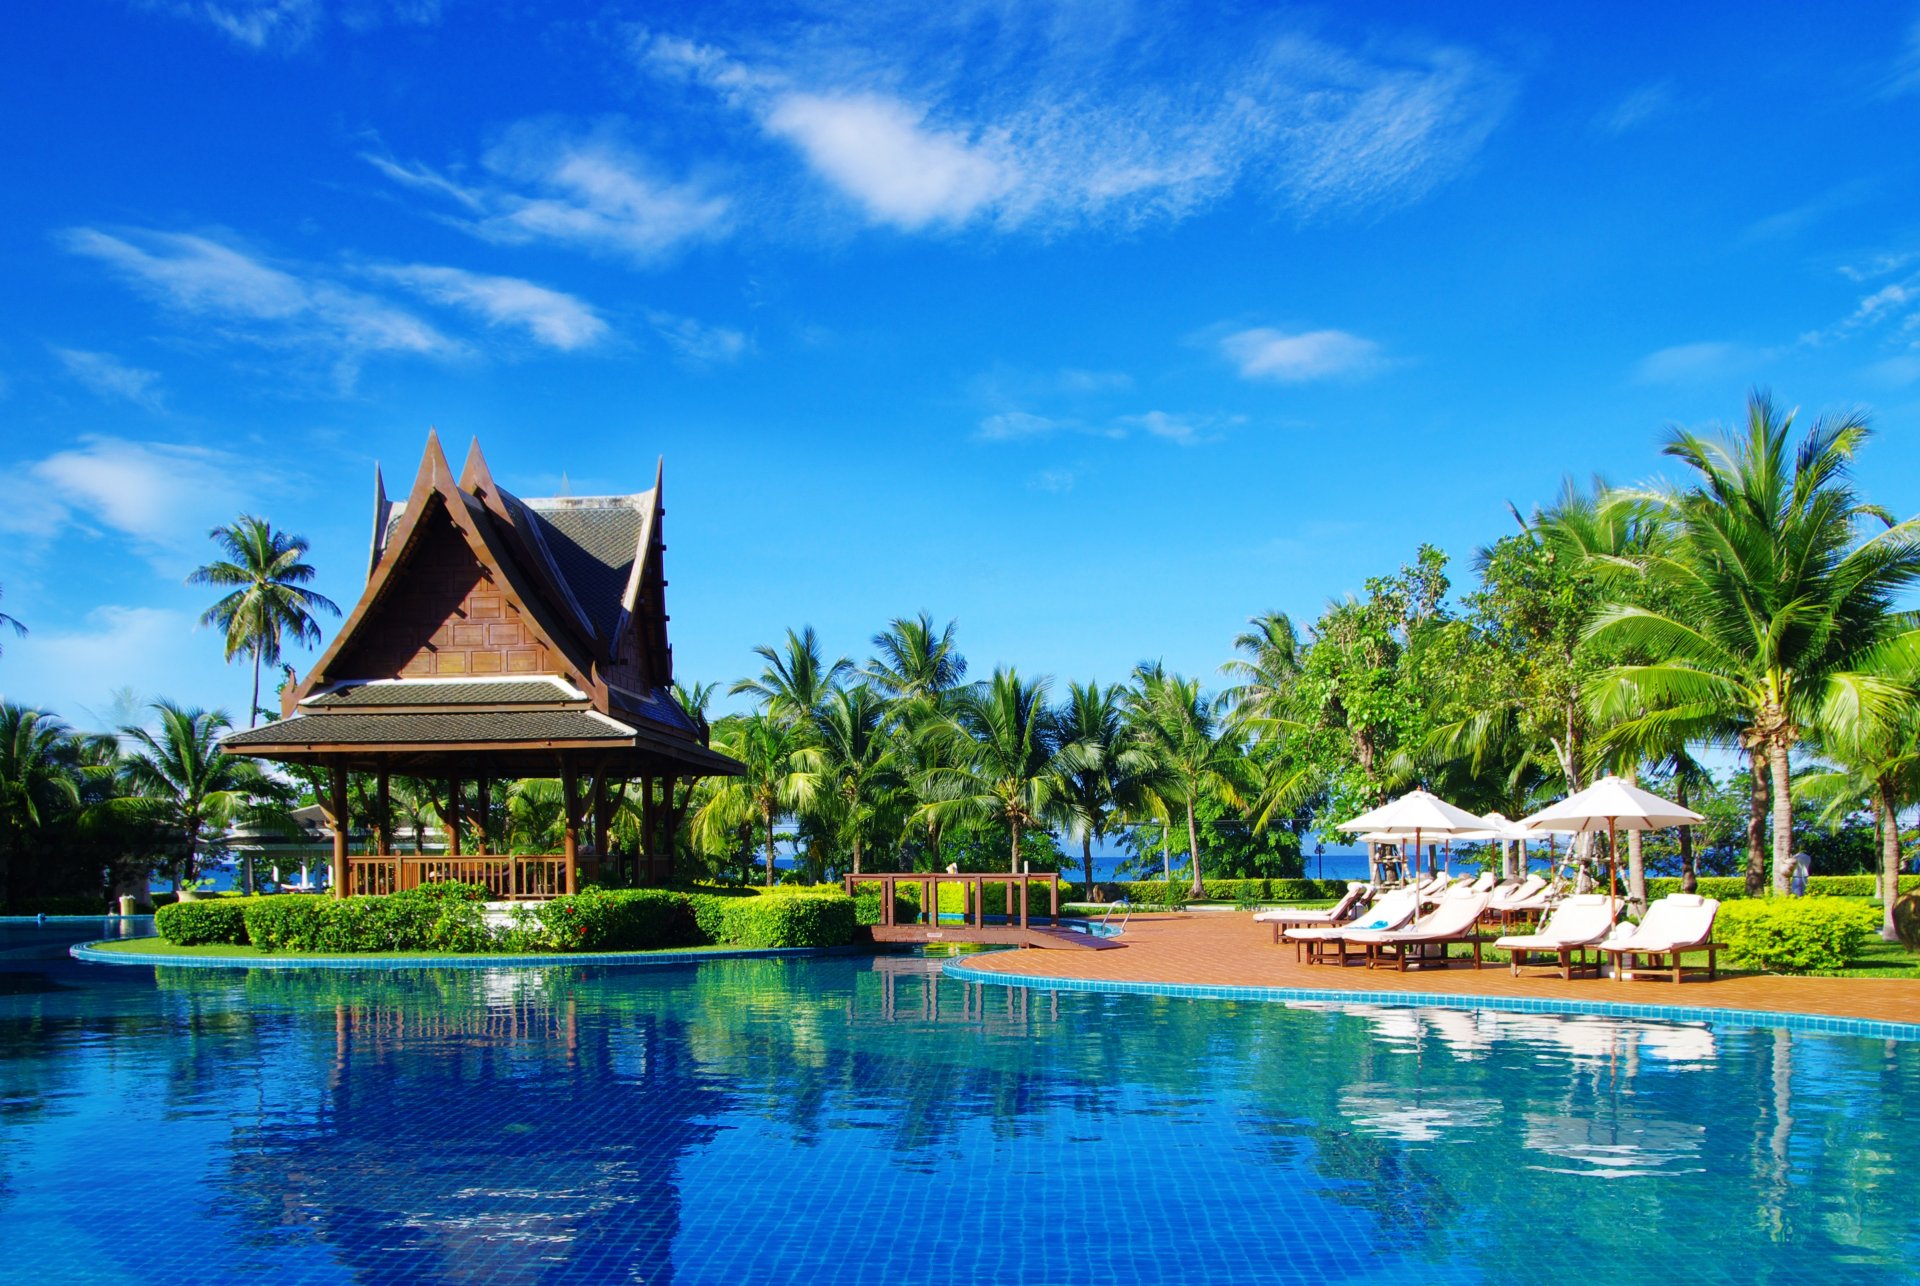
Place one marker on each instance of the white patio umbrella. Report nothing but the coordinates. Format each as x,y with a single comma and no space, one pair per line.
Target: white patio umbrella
1500,830
1612,803
1415,814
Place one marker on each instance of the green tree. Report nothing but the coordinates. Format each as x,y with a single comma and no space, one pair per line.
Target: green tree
11,623
859,773
268,603
781,775
913,663
1195,756
1765,589
794,681
184,785
1101,772
1003,736
39,786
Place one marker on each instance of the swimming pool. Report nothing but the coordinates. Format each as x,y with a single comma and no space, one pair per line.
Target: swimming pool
867,1121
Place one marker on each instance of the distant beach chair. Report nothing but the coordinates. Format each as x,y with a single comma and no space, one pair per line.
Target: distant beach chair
1580,923
1392,910
1677,923
1455,919
1354,901
1525,900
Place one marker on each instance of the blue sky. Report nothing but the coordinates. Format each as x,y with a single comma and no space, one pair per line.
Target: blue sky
1100,328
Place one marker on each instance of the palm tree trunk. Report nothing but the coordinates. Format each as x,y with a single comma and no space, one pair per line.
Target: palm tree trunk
1198,889
1757,824
1086,861
1013,863
253,707
766,815
1889,855
1782,815
1636,861
1688,880
856,854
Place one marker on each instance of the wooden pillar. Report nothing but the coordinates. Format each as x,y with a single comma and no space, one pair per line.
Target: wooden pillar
570,805
649,826
1024,880
337,822
602,814
452,818
1055,914
483,813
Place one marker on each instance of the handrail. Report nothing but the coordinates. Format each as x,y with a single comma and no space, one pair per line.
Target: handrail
1112,907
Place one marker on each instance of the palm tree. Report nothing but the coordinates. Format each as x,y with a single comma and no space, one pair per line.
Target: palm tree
794,684
1101,772
781,775
1270,662
269,604
1763,590
185,785
1195,757
1004,736
859,770
39,782
11,623
914,663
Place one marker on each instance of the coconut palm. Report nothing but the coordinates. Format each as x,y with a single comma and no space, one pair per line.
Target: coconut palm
268,604
39,782
183,784
1765,587
11,623
1195,754
781,776
1002,735
1269,663
1101,772
913,662
860,775
793,683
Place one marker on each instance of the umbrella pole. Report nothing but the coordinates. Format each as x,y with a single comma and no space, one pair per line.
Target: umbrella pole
1613,877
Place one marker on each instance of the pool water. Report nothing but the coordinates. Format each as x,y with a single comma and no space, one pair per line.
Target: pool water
857,1120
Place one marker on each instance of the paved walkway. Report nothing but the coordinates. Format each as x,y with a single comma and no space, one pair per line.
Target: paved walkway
1227,949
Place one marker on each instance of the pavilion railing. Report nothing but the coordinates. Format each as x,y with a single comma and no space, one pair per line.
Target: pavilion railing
973,889
507,877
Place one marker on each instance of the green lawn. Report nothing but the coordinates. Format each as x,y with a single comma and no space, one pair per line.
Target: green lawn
227,951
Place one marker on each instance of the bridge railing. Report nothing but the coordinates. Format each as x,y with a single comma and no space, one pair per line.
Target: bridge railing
973,886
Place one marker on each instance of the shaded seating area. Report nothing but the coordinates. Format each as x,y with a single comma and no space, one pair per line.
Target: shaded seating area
1356,899
1577,926
1392,910
1677,924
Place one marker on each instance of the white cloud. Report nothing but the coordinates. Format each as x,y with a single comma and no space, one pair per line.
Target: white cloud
164,496
1681,363
1262,353
110,378
1010,426
1641,106
882,153
1055,481
75,672
1904,77
279,26
588,189
553,318
696,343
254,302
932,119
1183,429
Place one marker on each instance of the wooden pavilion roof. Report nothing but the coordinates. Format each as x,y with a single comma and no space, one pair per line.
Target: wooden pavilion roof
498,633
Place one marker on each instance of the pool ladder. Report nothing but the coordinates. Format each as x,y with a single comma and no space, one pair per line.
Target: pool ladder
1115,906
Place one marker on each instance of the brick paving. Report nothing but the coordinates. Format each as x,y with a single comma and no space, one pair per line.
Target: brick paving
1227,949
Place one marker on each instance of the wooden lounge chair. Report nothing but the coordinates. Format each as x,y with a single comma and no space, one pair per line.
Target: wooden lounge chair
1357,896
1524,901
1578,924
1455,919
1676,923
1390,911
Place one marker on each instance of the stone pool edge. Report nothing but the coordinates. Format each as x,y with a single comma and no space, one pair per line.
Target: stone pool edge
84,951
1824,1024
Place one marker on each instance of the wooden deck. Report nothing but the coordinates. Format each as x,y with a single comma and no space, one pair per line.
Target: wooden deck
1009,935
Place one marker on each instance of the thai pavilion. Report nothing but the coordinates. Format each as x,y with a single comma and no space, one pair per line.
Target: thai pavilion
500,637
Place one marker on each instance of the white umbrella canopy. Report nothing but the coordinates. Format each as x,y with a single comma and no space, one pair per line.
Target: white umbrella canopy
1497,827
1415,814
1610,804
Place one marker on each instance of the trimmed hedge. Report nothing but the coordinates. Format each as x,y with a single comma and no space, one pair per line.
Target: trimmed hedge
187,924
1793,935
430,918
606,920
807,920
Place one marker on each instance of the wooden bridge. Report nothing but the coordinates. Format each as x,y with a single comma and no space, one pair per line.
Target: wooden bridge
972,927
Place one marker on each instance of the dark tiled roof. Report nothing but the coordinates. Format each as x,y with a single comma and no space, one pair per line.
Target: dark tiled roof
657,706
593,545
451,692
413,729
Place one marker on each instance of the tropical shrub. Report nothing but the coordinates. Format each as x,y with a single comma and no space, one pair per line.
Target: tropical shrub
1793,935
286,922
187,924
817,920
607,920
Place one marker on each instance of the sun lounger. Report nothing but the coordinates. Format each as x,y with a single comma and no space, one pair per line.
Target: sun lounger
1524,901
1392,910
1485,883
1676,923
1455,919
1577,924
1286,917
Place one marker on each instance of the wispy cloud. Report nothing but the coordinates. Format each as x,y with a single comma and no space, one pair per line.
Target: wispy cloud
1791,222
251,301
1688,363
1262,353
163,496
586,188
551,317
1904,76
698,344
1638,108
1183,429
110,378
994,115
287,26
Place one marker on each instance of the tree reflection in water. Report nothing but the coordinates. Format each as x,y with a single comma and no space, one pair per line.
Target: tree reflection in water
869,1120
